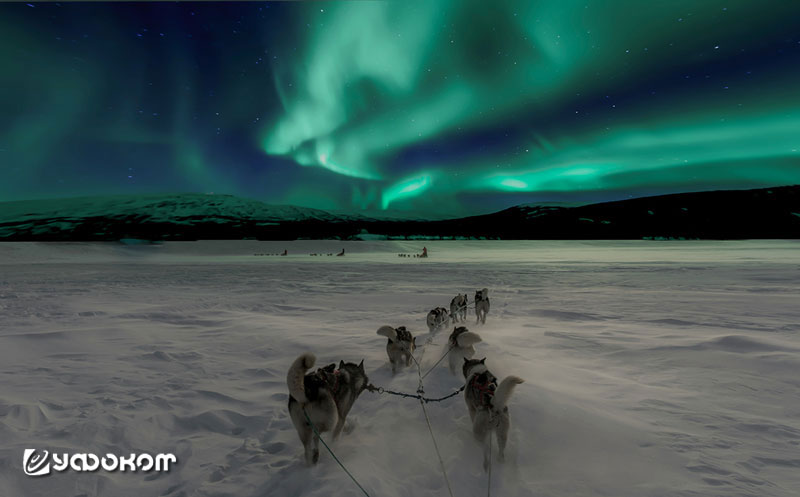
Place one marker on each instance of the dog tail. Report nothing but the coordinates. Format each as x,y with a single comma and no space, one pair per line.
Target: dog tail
503,392
468,338
388,332
295,378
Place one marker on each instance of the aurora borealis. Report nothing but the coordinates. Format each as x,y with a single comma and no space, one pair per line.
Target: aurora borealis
439,108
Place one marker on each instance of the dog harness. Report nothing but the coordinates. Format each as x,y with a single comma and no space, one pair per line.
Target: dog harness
328,376
483,386
335,387
403,335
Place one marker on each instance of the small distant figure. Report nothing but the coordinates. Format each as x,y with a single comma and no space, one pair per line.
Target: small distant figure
340,253
424,252
285,252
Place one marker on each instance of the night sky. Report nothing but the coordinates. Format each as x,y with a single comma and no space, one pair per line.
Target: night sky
436,107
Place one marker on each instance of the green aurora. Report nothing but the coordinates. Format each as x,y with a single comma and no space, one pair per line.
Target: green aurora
458,107
430,69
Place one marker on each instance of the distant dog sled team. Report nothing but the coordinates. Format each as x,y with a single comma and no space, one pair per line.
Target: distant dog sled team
319,401
424,253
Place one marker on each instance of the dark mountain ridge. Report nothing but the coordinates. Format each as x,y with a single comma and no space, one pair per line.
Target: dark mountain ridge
726,214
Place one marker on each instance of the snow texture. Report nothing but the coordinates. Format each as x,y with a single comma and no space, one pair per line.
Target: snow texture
650,368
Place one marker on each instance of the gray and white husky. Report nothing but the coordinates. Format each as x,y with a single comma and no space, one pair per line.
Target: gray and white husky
458,308
400,345
486,401
326,395
482,305
437,319
461,341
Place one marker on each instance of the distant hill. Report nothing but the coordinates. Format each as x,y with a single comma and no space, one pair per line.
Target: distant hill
726,214
730,214
164,217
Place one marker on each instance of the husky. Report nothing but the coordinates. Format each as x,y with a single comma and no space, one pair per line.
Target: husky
326,395
400,345
482,305
461,341
437,319
486,402
458,307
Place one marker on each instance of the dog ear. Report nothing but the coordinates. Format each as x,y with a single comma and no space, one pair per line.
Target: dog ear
361,365
483,361
466,360
341,364
414,340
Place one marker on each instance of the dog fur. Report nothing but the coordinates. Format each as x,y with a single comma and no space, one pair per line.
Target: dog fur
458,308
482,305
487,405
400,345
437,319
462,343
327,396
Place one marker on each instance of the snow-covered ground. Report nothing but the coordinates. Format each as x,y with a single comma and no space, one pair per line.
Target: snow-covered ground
651,368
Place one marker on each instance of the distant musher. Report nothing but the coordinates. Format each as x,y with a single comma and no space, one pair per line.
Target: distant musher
340,253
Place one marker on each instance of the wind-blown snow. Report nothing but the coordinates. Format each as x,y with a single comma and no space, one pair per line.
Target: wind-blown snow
651,368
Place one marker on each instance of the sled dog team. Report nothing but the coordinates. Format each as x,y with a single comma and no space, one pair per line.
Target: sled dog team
326,396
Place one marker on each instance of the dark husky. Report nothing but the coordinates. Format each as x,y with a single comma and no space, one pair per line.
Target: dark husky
482,305
400,345
437,319
327,396
458,307
486,402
